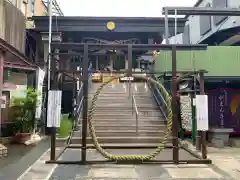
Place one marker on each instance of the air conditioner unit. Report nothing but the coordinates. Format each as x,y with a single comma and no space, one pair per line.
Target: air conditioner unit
25,1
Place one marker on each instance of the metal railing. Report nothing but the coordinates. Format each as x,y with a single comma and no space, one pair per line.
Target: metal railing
77,113
135,109
159,99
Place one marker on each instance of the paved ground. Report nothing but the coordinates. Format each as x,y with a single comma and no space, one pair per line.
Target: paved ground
20,158
225,163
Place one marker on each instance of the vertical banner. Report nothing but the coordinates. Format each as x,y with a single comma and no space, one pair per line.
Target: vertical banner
186,112
202,112
54,108
40,74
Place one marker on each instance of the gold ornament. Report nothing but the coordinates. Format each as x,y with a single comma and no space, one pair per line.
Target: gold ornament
111,25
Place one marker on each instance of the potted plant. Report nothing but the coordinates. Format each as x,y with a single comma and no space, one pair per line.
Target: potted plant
23,115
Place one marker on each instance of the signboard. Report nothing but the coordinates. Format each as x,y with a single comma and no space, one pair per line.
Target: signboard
202,112
224,108
127,79
54,108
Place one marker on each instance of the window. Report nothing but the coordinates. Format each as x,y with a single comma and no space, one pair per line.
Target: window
32,7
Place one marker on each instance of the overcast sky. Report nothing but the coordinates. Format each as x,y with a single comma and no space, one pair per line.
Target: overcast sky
137,8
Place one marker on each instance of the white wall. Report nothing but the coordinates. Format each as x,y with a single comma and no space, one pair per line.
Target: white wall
178,39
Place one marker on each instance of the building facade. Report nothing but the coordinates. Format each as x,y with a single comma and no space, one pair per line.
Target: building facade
213,30
16,70
12,24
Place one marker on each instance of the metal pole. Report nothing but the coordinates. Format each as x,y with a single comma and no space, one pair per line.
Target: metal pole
78,81
130,69
1,85
49,42
129,88
53,129
166,27
175,26
85,105
194,126
174,108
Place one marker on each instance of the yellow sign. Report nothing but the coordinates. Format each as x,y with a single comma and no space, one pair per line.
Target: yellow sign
111,25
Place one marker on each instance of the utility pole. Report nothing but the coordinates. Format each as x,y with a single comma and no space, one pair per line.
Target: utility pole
49,42
53,129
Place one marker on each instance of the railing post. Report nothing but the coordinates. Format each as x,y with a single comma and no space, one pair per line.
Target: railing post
136,123
85,105
132,105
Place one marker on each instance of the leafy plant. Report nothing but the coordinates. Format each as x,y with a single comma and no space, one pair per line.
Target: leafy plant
65,126
23,111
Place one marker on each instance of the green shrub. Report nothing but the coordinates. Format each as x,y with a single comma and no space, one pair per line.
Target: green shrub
65,127
23,111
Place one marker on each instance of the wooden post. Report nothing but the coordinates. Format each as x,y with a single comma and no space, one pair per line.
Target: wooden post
85,105
174,108
203,133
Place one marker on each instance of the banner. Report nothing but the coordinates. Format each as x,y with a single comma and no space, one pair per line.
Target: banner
224,108
40,74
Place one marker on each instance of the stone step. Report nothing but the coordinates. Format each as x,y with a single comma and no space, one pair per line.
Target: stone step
124,123
121,93
127,116
121,139
124,109
128,121
125,102
131,127
126,105
128,133
129,113
129,145
126,96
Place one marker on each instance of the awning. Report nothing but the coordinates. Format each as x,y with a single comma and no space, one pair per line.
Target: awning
15,59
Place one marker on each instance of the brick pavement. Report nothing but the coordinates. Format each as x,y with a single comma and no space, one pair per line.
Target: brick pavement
225,163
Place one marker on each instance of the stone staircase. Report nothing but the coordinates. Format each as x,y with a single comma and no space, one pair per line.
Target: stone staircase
114,121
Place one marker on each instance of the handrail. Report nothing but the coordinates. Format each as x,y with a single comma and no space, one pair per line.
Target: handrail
77,113
78,107
135,108
159,98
